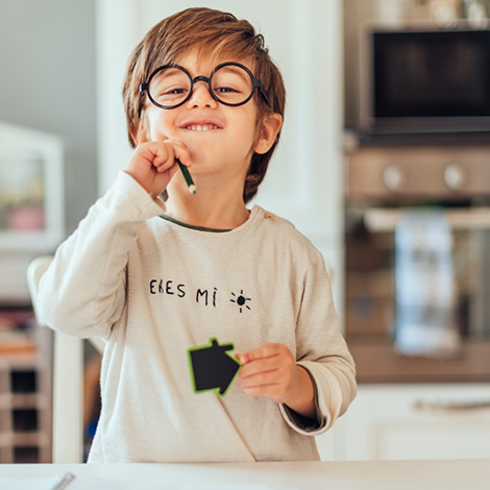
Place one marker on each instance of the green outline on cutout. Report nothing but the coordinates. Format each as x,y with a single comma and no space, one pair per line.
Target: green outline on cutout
191,370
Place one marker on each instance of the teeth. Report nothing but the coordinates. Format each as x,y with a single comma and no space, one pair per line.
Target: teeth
204,127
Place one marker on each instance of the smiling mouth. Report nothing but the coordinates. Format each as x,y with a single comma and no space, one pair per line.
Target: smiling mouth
201,127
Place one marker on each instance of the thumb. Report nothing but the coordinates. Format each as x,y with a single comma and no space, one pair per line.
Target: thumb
242,358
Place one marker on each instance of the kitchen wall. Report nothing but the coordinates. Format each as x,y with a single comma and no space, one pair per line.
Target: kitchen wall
47,82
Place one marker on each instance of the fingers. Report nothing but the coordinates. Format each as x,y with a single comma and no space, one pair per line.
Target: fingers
162,154
261,352
153,164
260,365
268,370
272,391
165,153
180,151
276,384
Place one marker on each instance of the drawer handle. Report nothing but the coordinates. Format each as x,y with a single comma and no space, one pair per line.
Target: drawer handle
451,406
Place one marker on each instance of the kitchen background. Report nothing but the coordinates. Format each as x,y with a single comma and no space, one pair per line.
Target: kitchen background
62,130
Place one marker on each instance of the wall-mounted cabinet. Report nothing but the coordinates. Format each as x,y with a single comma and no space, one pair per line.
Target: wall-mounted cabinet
31,189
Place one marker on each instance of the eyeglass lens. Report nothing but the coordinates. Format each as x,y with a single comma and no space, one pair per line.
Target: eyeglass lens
230,84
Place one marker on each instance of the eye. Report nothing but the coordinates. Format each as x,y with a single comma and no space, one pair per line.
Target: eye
172,91
168,94
225,90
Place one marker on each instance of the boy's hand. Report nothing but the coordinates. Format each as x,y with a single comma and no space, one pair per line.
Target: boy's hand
271,370
154,163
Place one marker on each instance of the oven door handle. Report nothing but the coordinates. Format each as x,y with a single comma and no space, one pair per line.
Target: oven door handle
386,220
424,405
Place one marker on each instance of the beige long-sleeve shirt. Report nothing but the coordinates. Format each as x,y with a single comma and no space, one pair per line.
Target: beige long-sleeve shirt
152,289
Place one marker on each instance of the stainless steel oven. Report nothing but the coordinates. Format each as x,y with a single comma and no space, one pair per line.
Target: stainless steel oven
382,182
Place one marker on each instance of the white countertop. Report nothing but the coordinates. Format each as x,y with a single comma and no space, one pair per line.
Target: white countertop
348,475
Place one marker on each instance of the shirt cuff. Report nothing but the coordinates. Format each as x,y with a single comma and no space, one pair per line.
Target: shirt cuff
305,424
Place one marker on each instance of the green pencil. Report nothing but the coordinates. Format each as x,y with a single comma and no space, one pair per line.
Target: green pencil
187,177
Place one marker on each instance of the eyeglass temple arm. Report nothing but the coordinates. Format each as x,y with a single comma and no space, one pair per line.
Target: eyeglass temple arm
143,88
258,84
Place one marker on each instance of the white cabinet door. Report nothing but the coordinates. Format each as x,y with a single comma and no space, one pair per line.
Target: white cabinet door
388,422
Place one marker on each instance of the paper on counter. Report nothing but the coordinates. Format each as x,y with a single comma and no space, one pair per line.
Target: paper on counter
69,481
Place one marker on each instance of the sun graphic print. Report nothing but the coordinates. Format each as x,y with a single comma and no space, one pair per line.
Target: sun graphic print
240,300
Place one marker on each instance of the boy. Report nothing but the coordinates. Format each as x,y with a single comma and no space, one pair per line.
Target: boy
154,279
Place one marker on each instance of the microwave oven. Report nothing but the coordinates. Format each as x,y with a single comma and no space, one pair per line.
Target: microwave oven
425,79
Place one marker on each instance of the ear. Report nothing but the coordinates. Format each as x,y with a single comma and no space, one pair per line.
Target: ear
140,135
270,128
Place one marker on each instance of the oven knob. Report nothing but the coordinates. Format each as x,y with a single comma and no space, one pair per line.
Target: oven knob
393,177
454,176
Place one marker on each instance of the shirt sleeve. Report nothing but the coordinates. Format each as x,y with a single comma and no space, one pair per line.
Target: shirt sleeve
322,351
83,291
306,424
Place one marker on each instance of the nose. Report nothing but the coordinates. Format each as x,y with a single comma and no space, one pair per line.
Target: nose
201,96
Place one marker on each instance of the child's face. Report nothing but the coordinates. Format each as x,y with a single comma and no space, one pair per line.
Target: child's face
219,137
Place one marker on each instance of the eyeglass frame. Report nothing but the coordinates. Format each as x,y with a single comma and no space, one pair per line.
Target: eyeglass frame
256,84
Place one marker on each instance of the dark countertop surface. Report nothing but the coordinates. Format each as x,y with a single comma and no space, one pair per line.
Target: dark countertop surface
377,362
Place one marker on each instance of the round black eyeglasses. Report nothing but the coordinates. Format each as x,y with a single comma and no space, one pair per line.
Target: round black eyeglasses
230,83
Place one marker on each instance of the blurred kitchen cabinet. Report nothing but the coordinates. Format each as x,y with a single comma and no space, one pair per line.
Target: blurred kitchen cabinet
429,421
25,389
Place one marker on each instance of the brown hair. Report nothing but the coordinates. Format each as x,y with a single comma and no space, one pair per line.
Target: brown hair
215,32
